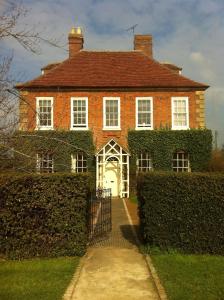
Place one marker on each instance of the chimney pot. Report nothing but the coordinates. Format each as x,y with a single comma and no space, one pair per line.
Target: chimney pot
143,43
75,41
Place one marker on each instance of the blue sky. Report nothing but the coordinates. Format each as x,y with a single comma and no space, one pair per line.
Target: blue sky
188,33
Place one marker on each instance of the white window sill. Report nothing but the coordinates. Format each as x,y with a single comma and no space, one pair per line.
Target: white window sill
180,128
111,128
44,128
143,128
79,128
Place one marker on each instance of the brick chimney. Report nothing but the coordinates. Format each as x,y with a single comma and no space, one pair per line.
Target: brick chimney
143,43
75,41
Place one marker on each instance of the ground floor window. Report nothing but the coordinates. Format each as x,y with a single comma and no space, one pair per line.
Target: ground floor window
45,163
79,162
144,162
181,162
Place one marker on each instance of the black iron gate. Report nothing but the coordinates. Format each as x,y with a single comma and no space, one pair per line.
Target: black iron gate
100,222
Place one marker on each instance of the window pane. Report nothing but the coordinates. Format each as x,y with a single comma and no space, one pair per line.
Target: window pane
79,113
180,162
112,113
144,112
79,162
144,162
180,113
45,163
45,113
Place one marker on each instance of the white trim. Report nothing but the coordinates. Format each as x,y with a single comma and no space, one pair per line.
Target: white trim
38,126
72,115
182,167
122,157
104,114
187,112
40,159
136,113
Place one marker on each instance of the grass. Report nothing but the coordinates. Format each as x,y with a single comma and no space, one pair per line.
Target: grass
194,277
36,279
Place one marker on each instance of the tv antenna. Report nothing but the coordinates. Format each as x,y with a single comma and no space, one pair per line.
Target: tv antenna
132,28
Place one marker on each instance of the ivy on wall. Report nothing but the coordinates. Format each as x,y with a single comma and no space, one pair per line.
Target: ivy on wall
161,144
59,143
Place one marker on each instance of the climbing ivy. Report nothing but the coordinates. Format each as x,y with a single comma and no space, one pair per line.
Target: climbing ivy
162,143
61,144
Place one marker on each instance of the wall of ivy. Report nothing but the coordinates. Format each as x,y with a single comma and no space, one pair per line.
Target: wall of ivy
161,144
60,143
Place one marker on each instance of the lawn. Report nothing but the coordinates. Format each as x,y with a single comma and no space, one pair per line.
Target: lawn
190,277
36,279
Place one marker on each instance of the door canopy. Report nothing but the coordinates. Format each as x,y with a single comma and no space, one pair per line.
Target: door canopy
112,152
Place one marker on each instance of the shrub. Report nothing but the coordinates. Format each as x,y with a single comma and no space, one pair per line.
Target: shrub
183,211
44,215
217,161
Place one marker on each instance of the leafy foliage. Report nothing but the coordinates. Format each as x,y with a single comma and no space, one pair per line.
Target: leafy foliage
60,143
183,211
217,161
161,144
44,215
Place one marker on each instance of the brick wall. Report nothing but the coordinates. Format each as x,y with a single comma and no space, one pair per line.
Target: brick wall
62,111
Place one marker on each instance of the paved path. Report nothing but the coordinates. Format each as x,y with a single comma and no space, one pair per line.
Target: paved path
114,269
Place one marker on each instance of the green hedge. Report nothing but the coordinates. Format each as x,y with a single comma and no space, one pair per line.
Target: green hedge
183,211
43,215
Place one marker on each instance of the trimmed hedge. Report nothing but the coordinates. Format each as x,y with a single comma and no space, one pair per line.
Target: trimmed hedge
183,211
43,215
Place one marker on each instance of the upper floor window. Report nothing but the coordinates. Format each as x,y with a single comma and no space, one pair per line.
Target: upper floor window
144,113
79,113
181,162
144,162
111,113
180,113
44,107
45,163
79,162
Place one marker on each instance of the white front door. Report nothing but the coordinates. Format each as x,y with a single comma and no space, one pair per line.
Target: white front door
111,178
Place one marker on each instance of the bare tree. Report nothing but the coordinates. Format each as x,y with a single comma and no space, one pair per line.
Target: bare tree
31,38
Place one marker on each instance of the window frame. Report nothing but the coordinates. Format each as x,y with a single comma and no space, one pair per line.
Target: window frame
148,159
75,169
105,127
72,114
137,127
38,163
41,127
187,113
178,168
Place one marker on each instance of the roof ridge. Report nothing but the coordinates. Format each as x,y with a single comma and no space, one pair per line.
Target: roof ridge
111,51
91,70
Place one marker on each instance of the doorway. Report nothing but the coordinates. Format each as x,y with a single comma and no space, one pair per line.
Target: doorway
112,169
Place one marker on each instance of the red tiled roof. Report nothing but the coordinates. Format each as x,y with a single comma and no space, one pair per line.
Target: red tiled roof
50,66
93,69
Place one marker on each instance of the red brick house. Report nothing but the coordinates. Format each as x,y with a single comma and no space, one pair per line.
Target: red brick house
110,93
